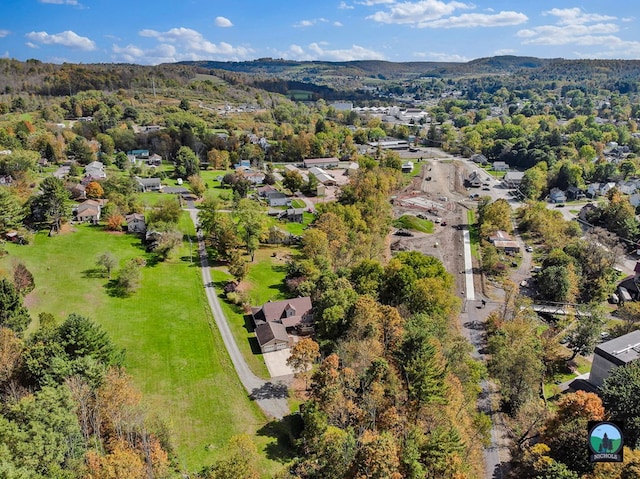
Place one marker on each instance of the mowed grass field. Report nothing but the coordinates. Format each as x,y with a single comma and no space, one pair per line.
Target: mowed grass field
173,349
264,282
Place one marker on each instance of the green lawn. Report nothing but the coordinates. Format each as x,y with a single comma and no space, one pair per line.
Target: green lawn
411,222
474,233
296,203
174,351
264,282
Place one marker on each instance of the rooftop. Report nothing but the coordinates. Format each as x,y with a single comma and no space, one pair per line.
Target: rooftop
621,350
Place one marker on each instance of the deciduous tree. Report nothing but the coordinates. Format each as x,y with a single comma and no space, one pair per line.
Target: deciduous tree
108,261
303,354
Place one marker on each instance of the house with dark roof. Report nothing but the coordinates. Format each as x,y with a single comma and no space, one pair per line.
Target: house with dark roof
295,314
272,337
473,181
613,354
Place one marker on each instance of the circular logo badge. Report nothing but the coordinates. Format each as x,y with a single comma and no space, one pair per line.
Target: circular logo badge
605,438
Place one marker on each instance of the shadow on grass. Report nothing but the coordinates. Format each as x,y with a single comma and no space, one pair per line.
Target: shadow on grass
94,273
115,289
285,432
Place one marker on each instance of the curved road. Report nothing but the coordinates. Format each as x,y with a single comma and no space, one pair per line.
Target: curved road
271,396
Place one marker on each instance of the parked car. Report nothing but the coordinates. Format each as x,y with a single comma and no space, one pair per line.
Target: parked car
528,249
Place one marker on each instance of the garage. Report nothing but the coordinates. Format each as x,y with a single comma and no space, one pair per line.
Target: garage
272,336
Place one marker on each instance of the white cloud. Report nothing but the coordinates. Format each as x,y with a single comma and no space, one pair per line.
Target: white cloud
4,33
67,38
163,53
304,24
179,44
344,6
32,45
223,22
418,12
505,51
569,34
338,24
374,2
318,51
575,27
60,2
441,57
309,23
573,16
472,20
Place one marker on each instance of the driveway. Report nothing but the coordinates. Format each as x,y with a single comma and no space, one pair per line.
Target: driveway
276,362
271,396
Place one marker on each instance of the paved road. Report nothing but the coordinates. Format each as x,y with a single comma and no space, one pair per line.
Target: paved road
271,396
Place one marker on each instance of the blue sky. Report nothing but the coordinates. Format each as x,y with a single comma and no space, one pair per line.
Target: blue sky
152,32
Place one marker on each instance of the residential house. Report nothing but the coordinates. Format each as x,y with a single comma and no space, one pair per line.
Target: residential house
264,190
593,190
574,193
612,354
255,177
473,181
95,169
276,198
321,162
78,191
513,179
148,184
89,211
500,166
294,314
271,337
556,195
295,215
139,154
627,187
136,223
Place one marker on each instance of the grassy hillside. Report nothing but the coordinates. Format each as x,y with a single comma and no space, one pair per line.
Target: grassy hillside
173,349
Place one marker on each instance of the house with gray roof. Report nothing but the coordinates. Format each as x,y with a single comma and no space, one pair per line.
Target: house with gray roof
293,314
613,354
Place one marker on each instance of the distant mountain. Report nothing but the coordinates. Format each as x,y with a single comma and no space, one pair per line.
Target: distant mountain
373,68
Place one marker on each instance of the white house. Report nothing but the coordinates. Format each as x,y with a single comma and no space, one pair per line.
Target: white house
556,195
136,223
500,166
